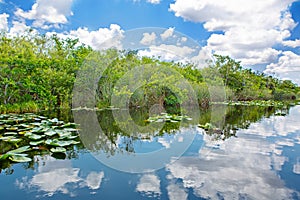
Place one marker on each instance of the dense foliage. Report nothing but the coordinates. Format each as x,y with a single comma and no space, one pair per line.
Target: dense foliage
38,71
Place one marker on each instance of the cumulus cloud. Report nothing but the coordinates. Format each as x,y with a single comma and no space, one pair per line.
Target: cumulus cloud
102,38
55,175
3,22
242,167
46,14
167,33
94,179
287,67
292,43
153,1
168,52
149,185
148,38
20,28
250,29
175,192
150,1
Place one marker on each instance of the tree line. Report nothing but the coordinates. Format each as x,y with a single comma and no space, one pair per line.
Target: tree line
38,72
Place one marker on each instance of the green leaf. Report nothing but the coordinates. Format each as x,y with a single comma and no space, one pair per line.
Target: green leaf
50,132
58,150
10,133
35,143
19,158
35,137
19,150
59,143
4,156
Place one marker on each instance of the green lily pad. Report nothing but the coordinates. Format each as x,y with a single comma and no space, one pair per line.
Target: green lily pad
58,150
35,143
19,158
11,139
4,156
72,137
50,132
71,129
10,133
19,150
63,134
35,137
12,128
71,125
58,143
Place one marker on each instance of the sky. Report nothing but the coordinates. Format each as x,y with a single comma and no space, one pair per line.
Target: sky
263,35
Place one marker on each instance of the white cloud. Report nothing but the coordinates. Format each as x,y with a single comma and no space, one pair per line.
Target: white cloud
287,67
183,39
153,1
246,166
168,52
54,176
296,167
168,33
94,179
250,28
100,39
150,1
47,14
148,38
292,43
20,28
3,22
176,193
149,185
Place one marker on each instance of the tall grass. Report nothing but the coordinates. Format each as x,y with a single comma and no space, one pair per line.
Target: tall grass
25,107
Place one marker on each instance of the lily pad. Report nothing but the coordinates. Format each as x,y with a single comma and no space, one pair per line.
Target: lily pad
50,133
12,128
58,150
4,156
19,158
35,143
35,137
59,143
10,133
19,150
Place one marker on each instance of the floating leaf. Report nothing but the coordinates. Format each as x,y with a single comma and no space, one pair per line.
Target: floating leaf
35,137
50,132
11,139
58,150
63,135
25,125
19,150
12,128
75,142
54,120
35,143
4,156
71,129
72,137
7,138
72,125
59,143
10,133
19,158
27,134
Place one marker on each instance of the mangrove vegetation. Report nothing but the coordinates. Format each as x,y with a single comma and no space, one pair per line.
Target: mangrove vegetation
38,72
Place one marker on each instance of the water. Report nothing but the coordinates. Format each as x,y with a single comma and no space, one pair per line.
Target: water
254,153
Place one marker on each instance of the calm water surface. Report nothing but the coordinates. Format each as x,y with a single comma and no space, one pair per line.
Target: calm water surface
253,154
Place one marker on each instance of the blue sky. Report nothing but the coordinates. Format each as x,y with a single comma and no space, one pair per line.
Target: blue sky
263,35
